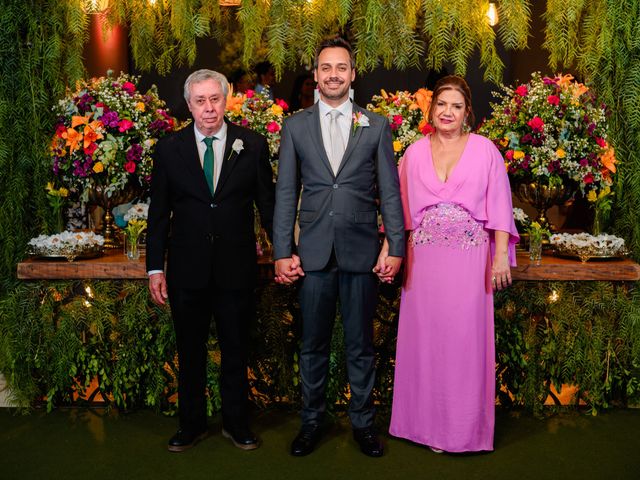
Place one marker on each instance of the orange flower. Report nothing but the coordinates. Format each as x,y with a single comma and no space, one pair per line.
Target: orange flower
608,159
77,120
90,134
423,99
565,80
73,138
234,102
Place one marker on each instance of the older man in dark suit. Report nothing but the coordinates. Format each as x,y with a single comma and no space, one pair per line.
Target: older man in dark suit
206,178
342,157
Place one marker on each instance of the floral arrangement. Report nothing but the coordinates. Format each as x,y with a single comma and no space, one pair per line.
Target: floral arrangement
407,114
57,198
66,244
522,219
553,131
105,133
585,246
136,218
261,114
537,232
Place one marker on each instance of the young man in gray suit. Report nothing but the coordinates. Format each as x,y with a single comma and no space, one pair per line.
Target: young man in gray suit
341,156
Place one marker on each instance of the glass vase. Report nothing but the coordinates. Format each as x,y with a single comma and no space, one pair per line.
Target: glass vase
132,246
535,249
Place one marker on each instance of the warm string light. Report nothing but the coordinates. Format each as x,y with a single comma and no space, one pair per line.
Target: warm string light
554,296
89,293
492,14
95,6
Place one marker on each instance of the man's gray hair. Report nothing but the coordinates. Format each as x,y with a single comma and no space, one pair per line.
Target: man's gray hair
202,75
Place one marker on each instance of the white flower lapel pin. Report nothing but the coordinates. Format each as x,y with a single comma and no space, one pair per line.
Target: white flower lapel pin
359,120
237,146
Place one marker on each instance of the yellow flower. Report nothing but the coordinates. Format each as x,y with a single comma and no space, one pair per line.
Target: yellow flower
276,109
604,192
98,167
591,196
140,106
560,153
518,154
504,142
63,192
49,186
397,146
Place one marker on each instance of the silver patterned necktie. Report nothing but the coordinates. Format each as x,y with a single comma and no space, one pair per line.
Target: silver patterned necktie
337,142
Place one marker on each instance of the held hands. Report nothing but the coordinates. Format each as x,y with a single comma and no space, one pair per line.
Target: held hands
158,288
387,266
288,270
500,271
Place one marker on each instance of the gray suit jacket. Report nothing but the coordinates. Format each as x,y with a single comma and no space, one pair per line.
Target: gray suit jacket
337,211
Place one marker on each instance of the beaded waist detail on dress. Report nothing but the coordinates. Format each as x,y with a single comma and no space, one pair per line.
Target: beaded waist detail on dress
448,224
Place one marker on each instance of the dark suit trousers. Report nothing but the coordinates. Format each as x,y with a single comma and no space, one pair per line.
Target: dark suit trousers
192,311
319,293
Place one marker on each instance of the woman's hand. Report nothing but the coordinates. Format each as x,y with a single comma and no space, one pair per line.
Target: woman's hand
500,271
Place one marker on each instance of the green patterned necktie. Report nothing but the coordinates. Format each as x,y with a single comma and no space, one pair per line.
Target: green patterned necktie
207,164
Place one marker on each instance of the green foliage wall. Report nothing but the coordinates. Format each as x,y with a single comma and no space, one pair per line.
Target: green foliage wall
40,48
56,338
398,33
601,40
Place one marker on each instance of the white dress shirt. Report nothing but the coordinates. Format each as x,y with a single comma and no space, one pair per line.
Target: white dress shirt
344,123
218,150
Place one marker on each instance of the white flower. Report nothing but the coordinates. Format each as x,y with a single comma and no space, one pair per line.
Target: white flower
139,211
364,121
519,215
238,145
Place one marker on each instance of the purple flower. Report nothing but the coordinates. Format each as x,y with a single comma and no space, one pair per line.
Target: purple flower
526,138
134,153
110,119
84,103
584,162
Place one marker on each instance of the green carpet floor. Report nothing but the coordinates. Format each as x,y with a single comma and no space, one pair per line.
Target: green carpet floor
91,444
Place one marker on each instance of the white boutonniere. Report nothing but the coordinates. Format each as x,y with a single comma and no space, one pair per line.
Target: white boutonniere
237,147
359,120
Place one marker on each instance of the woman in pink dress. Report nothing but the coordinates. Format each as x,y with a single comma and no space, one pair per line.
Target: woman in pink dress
457,204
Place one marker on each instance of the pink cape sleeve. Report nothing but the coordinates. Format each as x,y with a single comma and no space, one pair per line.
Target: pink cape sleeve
499,205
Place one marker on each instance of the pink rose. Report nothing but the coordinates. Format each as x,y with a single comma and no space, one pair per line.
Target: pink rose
397,119
601,142
553,99
536,124
244,122
250,93
273,127
124,125
130,167
129,87
522,90
587,179
509,155
282,104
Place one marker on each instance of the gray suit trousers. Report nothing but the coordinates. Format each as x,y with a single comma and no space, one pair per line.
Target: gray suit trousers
319,294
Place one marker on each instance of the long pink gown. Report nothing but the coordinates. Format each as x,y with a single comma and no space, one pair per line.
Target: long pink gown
444,390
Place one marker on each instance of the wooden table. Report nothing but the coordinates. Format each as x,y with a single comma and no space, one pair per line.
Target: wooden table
556,268
114,265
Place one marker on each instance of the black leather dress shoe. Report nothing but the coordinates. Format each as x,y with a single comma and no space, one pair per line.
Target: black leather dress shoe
184,440
306,440
241,437
368,440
